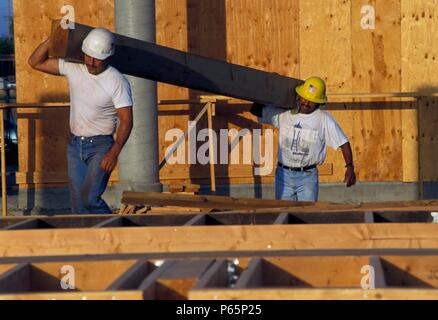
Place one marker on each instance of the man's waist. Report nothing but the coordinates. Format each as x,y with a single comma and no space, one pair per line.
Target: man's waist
306,168
95,137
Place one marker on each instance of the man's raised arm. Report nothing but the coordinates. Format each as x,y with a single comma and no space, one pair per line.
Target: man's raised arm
39,59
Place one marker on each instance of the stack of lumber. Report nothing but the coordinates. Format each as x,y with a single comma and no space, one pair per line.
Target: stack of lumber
245,249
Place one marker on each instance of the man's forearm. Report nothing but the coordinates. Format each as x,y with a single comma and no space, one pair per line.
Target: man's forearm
40,55
122,136
347,153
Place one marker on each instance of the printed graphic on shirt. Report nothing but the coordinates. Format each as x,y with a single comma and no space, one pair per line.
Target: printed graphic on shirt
299,143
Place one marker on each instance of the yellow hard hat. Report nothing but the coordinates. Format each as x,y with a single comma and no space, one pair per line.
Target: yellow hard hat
313,90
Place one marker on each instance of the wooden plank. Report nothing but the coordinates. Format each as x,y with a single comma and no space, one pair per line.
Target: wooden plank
379,272
215,276
107,295
211,146
313,294
132,278
217,202
16,243
252,276
401,206
187,70
16,279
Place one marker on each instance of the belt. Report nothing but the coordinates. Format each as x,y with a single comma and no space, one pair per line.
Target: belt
297,169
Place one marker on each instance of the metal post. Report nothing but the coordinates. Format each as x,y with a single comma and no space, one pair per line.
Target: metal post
3,160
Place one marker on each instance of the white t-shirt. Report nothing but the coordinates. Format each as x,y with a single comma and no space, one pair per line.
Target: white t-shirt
95,98
303,137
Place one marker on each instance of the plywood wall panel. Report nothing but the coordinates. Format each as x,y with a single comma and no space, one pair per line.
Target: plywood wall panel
419,65
296,38
377,68
325,51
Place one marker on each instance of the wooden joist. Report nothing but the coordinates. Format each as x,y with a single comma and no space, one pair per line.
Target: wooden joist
313,294
277,277
191,216
233,238
159,63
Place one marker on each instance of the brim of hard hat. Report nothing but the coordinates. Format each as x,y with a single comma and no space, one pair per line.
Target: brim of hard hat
300,91
99,56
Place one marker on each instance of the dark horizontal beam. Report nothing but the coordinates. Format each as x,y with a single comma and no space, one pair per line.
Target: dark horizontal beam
150,61
220,218
225,254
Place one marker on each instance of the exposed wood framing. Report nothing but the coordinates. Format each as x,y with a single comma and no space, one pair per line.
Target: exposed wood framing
257,278
233,238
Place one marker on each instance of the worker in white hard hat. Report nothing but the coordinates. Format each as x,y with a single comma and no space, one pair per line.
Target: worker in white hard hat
304,133
100,97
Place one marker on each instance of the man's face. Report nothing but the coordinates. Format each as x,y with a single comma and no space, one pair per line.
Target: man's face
95,66
306,106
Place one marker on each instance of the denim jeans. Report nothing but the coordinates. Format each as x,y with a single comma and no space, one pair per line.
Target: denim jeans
296,185
87,181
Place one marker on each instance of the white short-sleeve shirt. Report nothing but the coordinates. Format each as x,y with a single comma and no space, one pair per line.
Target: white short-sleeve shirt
303,137
95,98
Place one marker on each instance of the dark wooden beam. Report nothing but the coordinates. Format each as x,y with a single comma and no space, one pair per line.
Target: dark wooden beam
26,224
132,278
16,280
252,276
150,61
379,272
215,276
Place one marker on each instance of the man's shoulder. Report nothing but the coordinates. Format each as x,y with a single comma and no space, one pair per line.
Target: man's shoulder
116,74
69,67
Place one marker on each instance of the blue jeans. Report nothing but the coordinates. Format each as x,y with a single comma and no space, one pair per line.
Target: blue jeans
87,180
296,185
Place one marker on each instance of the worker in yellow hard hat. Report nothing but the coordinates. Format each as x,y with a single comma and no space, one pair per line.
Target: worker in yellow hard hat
304,133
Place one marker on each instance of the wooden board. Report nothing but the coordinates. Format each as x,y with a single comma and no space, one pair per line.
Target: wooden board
201,201
313,294
106,295
217,238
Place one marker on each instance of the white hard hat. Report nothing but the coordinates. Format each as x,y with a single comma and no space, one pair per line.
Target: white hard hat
99,44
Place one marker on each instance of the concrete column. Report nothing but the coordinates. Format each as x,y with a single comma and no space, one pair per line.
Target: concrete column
139,160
